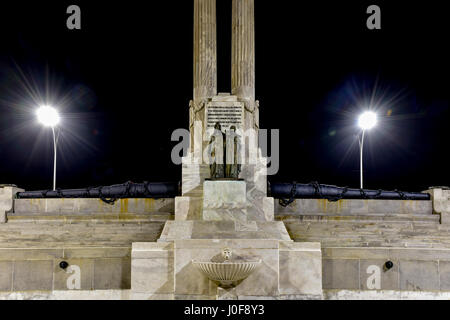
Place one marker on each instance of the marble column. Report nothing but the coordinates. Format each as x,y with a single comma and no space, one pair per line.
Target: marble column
243,50
205,50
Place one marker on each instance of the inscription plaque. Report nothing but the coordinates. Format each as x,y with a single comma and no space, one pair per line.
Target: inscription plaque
226,115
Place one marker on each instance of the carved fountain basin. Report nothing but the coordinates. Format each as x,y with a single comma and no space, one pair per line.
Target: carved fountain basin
227,273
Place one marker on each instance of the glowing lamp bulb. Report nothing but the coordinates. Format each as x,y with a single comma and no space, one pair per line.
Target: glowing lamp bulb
367,120
48,116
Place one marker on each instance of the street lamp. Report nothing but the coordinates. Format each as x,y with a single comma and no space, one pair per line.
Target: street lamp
366,121
49,117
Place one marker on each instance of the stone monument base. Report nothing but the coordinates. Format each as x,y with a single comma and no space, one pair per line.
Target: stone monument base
198,229
165,270
225,201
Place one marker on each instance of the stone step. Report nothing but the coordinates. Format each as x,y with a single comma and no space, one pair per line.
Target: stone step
366,218
31,232
92,217
377,234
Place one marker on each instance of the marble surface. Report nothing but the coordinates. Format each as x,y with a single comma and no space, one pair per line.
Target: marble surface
224,201
287,269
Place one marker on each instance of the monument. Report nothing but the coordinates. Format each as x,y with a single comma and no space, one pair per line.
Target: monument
223,237
224,208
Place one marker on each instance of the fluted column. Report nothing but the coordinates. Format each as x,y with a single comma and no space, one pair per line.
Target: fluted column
205,49
243,47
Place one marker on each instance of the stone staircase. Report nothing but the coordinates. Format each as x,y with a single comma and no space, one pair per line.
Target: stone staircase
43,224
341,227
423,234
354,224
58,232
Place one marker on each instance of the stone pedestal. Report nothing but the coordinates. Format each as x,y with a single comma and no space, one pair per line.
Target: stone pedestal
165,270
440,197
7,195
198,229
224,201
194,174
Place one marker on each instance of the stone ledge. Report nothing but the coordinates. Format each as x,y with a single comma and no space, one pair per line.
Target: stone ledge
384,295
354,207
93,206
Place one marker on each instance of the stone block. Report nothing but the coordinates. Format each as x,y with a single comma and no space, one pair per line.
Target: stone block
340,274
188,208
250,226
190,281
226,294
384,206
193,176
419,275
445,217
192,297
224,200
78,276
374,276
275,230
212,227
444,274
60,206
151,296
113,273
152,269
177,230
265,276
356,253
7,195
300,269
218,245
441,203
149,250
33,275
354,207
417,207
96,207
419,254
153,276
6,272
269,208
99,252
30,254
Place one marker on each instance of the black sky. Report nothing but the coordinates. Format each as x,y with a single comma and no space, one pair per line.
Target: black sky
124,83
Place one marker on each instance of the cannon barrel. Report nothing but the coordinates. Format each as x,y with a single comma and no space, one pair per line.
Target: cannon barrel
334,193
119,191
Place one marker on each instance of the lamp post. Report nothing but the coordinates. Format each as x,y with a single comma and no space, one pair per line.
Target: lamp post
366,121
49,117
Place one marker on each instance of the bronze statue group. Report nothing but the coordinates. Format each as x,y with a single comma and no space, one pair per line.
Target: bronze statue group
224,150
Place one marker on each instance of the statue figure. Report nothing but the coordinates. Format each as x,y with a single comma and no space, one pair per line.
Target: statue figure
216,152
233,153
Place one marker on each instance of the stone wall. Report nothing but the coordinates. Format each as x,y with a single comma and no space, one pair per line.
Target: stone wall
364,269
33,207
89,269
354,207
349,272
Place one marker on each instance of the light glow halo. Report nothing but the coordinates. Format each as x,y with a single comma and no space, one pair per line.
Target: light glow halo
48,116
367,120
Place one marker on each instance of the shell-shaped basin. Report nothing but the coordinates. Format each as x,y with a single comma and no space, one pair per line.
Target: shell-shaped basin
227,273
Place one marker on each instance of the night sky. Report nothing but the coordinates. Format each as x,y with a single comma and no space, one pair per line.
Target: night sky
123,84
